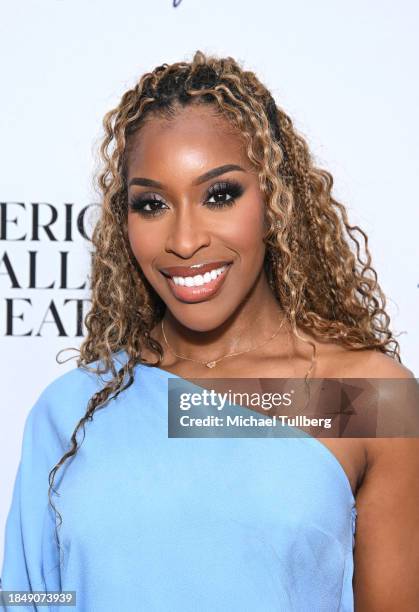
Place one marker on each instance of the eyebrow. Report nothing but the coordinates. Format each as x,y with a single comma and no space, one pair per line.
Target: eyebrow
146,182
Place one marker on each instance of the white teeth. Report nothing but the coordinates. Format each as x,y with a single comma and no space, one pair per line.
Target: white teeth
199,279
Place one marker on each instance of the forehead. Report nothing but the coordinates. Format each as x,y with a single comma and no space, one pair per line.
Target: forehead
196,131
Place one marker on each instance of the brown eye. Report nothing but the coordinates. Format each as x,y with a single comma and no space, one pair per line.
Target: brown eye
223,194
147,206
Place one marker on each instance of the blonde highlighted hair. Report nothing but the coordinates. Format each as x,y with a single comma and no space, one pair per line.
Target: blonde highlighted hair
321,283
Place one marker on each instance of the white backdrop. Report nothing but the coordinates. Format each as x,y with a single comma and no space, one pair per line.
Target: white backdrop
344,71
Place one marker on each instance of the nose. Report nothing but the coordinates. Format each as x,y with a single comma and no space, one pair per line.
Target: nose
187,232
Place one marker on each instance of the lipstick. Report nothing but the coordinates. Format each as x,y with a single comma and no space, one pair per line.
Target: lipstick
197,282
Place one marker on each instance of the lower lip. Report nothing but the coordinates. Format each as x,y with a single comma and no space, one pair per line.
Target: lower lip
197,294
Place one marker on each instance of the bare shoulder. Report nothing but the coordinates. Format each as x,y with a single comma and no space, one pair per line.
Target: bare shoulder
343,362
374,364
359,455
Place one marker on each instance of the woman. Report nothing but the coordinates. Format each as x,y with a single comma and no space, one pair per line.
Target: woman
220,252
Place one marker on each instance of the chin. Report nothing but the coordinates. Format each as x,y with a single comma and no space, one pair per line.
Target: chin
206,318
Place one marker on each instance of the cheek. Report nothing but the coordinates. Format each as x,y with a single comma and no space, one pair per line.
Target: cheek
247,227
144,244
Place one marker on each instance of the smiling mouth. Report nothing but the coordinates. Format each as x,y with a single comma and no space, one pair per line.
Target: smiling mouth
198,287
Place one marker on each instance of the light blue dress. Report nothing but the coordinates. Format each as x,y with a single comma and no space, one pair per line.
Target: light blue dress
159,524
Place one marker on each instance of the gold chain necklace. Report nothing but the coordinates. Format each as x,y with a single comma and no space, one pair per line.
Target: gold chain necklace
212,364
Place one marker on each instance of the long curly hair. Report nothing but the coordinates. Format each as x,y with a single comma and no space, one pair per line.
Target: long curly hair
322,285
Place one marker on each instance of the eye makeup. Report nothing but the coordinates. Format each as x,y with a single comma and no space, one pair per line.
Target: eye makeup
223,195
139,203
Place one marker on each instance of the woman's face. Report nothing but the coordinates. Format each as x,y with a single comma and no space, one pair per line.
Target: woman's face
194,199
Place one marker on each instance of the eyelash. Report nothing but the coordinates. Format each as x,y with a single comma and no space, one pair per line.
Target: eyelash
230,188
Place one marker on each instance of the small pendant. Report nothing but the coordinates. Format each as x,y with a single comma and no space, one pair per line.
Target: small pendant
211,364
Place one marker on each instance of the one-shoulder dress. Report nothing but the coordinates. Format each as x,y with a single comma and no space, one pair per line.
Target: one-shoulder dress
158,524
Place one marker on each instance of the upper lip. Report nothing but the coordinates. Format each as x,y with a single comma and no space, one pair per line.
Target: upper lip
199,268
